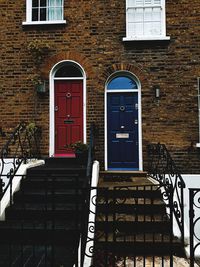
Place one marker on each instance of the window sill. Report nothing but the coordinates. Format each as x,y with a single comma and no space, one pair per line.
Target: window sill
51,22
146,38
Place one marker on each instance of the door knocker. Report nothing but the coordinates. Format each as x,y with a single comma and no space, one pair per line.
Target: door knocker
122,108
68,95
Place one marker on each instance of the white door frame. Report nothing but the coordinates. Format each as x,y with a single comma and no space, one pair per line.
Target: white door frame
138,91
52,79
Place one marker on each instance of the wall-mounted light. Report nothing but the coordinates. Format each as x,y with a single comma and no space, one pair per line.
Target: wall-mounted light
157,91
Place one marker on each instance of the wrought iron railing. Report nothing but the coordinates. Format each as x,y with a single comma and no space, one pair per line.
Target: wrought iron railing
22,145
86,194
194,214
90,153
124,236
162,168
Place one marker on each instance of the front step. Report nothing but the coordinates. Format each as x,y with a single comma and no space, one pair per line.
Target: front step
69,238
135,248
131,217
42,227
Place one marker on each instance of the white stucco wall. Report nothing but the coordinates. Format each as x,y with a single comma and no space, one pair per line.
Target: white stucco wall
191,181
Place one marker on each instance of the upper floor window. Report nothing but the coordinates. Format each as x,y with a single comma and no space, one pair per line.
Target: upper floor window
145,20
44,12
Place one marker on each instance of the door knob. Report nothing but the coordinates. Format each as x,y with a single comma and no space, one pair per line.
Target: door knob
122,127
68,95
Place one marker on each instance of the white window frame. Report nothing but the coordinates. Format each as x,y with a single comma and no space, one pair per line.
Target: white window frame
29,16
162,36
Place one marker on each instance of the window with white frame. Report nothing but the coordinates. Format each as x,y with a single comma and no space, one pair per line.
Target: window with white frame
145,19
44,11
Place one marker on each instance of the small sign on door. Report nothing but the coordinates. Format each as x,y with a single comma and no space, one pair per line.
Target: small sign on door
122,135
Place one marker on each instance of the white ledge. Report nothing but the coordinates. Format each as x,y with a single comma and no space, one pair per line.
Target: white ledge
44,22
197,144
147,38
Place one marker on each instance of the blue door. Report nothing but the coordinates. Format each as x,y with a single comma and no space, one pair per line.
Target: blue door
122,131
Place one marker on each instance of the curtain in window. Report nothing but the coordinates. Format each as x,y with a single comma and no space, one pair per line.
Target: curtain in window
55,9
144,18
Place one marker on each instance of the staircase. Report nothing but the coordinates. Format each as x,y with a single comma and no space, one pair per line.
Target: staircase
42,226
132,221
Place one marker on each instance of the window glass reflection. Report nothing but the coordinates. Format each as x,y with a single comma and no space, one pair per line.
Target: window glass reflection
122,82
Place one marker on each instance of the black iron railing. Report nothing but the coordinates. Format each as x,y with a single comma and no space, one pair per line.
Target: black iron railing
22,145
194,214
128,230
86,191
162,168
90,153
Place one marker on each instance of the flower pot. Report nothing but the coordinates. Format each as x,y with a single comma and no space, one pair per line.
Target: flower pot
41,88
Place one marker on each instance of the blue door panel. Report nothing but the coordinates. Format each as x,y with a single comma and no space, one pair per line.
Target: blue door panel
122,131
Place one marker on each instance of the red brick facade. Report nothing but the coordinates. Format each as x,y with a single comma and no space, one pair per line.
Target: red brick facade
92,37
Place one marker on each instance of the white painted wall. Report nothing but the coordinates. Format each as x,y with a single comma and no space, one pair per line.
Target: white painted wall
191,181
91,219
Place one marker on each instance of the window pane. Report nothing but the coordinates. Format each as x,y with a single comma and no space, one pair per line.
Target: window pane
43,15
139,15
69,71
131,15
139,29
157,2
139,2
35,3
122,82
43,3
35,14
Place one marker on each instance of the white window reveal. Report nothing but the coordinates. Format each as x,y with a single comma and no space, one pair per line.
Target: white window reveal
145,20
44,12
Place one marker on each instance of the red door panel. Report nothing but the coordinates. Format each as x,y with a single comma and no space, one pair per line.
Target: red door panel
68,115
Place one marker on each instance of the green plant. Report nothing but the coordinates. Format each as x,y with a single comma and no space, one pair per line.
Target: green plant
31,129
35,79
38,49
78,147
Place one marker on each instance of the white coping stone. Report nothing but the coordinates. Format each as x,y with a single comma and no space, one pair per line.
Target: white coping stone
5,201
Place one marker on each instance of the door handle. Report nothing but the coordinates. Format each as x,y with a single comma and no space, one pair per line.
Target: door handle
68,95
122,127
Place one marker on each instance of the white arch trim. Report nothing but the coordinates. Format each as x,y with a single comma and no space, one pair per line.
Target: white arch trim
52,101
138,90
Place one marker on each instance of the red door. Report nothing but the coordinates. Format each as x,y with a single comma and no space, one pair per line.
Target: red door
68,115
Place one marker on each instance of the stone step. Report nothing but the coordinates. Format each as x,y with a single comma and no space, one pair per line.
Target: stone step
140,248
135,227
40,236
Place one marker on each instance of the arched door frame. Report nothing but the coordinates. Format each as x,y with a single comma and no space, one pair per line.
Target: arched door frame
52,79
138,90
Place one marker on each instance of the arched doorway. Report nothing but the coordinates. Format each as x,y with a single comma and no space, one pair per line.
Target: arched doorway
123,148
67,107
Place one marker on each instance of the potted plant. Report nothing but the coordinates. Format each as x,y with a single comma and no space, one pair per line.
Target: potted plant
39,49
37,82
81,151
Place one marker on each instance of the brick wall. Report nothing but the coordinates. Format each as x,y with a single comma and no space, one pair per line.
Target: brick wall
93,37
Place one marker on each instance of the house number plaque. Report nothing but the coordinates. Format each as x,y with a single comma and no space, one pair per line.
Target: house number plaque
122,135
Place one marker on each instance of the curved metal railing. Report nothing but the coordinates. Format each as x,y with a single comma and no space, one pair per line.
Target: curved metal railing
22,145
162,168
